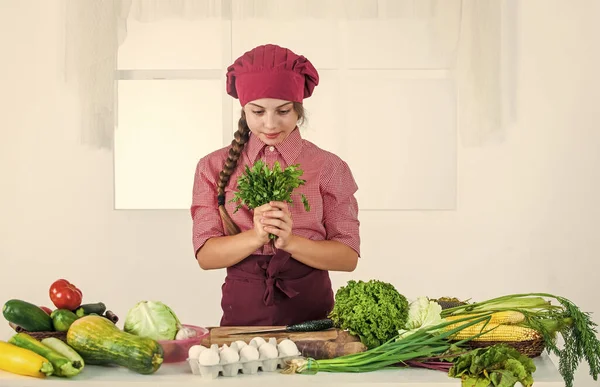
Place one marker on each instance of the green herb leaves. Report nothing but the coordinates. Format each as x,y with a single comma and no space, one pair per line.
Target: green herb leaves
498,365
260,185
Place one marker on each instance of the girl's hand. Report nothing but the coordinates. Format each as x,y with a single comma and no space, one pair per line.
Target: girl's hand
278,221
259,227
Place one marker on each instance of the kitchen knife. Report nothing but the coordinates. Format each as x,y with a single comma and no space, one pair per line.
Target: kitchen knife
308,326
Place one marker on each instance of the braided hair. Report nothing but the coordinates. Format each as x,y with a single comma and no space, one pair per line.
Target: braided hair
240,139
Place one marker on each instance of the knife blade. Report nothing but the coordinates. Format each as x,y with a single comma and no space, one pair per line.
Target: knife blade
308,326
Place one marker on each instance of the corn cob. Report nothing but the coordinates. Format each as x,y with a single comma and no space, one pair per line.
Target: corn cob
504,317
497,332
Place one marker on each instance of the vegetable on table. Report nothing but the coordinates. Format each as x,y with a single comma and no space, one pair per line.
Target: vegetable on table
95,308
185,333
63,348
62,319
576,327
260,185
498,332
424,343
26,315
422,313
153,320
499,365
62,365
65,295
24,362
318,350
100,342
374,311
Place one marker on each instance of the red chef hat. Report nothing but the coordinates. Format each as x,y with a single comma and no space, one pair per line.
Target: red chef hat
271,71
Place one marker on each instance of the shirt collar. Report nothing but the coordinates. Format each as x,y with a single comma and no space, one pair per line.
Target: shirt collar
289,149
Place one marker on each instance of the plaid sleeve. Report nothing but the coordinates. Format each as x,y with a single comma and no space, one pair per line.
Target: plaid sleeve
340,208
204,210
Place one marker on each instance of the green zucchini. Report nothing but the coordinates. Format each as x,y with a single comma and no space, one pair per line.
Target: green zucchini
62,319
62,348
97,308
62,365
99,341
30,317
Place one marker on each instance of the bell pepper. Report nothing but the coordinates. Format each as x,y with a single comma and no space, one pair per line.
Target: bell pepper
65,295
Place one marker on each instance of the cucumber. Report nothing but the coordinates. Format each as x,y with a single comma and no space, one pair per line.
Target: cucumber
30,317
62,319
97,308
62,365
62,348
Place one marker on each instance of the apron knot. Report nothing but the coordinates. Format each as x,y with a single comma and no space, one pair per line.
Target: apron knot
276,282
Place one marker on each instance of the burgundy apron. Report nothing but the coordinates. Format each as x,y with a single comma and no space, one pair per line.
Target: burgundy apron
274,290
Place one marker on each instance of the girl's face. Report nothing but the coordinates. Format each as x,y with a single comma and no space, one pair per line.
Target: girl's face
271,120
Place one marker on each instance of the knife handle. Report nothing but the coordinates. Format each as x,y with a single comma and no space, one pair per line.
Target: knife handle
311,326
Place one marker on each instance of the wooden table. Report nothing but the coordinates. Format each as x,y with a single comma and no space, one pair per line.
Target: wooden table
180,375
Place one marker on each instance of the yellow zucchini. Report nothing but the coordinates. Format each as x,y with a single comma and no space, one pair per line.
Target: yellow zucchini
22,361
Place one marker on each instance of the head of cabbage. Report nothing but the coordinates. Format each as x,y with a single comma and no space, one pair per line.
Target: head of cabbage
152,319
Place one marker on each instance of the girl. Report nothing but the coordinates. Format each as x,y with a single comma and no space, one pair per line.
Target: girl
286,282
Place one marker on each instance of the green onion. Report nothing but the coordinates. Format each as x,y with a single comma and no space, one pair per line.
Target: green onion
423,343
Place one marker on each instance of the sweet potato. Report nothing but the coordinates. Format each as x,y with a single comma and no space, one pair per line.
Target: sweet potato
328,349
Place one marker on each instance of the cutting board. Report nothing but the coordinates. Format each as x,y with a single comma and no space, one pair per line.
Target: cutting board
223,335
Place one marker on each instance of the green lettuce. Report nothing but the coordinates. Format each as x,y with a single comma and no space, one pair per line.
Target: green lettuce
372,310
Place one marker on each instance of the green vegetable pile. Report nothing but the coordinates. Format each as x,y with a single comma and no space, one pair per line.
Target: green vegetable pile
498,365
260,185
374,310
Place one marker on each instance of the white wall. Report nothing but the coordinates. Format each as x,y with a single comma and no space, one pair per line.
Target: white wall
526,220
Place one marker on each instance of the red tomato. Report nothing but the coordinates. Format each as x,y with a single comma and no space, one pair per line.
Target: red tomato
46,309
65,295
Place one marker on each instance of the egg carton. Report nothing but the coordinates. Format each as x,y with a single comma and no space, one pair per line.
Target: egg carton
233,369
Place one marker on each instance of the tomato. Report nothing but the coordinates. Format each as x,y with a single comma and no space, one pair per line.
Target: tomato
46,309
65,295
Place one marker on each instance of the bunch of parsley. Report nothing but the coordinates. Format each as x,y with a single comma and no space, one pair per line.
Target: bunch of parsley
372,310
260,185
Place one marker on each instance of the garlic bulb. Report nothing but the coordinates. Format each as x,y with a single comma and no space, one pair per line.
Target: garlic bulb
185,333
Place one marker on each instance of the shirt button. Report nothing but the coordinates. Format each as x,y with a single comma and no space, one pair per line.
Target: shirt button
271,148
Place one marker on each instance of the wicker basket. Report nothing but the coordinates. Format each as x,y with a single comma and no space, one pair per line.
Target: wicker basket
59,335
529,348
